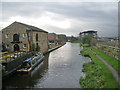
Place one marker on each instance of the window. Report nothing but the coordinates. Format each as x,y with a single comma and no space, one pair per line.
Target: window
37,37
24,35
25,46
37,47
7,46
15,37
7,36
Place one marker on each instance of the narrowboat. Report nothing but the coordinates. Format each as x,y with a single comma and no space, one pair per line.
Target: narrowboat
29,64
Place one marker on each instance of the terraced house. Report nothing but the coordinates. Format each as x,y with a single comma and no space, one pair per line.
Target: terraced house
23,37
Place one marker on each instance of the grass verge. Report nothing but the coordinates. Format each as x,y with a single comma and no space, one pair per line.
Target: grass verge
75,41
94,77
97,74
109,59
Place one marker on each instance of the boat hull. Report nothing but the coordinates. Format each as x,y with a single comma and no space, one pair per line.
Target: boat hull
24,71
32,67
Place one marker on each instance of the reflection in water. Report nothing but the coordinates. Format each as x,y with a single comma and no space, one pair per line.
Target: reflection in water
27,80
63,70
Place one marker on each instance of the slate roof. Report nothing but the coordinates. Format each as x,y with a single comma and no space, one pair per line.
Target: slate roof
32,28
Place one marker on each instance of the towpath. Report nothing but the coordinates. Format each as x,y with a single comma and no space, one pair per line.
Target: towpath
114,72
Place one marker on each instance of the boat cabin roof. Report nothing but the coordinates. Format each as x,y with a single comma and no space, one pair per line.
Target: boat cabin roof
28,60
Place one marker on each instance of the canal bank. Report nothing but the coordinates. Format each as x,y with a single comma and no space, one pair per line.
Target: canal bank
12,66
50,50
98,74
61,69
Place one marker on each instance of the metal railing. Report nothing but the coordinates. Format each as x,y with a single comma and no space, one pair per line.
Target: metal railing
11,57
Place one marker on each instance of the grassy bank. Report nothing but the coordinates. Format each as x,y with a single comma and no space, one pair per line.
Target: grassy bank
94,77
97,74
75,41
109,59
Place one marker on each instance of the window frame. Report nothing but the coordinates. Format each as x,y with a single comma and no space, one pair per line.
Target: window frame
7,46
6,35
37,36
24,35
24,45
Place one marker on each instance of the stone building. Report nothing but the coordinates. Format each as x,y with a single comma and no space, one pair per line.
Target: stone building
23,37
52,37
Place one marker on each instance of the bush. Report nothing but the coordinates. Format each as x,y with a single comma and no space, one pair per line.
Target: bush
94,77
87,39
97,73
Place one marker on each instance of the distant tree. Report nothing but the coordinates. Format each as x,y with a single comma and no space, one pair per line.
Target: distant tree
74,38
87,39
93,41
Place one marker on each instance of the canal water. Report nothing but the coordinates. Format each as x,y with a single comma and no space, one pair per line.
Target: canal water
61,68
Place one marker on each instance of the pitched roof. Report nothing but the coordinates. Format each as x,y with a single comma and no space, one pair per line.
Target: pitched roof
31,28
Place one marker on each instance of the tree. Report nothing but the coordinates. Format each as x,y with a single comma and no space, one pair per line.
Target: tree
87,39
93,41
74,38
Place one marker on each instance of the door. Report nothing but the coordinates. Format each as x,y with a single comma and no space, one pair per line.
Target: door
16,47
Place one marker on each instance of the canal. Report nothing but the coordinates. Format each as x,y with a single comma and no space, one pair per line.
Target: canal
61,68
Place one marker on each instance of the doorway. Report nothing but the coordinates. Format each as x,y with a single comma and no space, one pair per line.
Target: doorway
16,47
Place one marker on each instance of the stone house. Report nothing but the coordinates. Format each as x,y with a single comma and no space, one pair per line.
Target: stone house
52,37
23,37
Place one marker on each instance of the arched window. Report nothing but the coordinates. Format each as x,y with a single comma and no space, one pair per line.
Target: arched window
37,37
15,37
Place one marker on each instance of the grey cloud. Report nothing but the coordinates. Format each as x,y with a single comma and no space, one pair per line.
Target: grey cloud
101,16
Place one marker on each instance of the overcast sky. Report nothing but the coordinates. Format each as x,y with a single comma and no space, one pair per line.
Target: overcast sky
68,18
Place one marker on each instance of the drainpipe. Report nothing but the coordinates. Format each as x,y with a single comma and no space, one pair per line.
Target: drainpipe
28,39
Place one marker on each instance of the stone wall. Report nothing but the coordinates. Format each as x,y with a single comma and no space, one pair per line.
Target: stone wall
20,29
52,37
11,30
42,41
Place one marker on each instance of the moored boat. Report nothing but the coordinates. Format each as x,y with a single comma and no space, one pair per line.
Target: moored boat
29,64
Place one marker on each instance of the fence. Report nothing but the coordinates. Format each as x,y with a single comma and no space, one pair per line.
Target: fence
11,57
108,52
12,65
